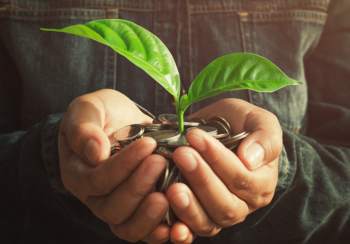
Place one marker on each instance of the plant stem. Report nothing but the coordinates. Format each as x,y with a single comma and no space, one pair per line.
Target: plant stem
180,116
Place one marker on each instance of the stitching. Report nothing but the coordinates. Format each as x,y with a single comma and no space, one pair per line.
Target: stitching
324,9
253,6
102,13
322,21
50,17
189,40
92,3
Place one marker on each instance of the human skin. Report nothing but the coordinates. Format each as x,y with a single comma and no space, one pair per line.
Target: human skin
225,188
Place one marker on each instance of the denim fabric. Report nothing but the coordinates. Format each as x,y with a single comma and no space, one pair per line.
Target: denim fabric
42,72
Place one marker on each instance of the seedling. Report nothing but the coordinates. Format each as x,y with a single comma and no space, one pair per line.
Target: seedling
230,72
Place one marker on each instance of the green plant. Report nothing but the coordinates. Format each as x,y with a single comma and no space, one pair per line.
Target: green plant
235,71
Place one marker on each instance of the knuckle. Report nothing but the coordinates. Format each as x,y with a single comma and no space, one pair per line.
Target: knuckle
217,155
261,200
138,192
76,129
226,216
99,184
240,183
239,221
200,182
265,199
209,230
133,235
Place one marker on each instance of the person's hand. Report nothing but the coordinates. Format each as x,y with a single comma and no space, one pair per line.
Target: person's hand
225,188
116,189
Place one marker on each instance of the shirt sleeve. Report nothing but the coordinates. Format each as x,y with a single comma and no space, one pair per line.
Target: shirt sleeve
35,207
311,202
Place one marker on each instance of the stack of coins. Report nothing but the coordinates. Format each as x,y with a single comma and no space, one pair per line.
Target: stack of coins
164,130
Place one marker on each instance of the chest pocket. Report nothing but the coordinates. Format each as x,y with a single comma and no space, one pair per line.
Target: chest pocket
287,38
284,32
54,67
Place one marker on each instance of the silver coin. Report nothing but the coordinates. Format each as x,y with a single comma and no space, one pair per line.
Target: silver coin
145,111
129,132
156,127
118,147
186,125
234,140
223,121
181,141
221,136
176,127
171,119
163,135
198,120
209,129
123,143
167,118
234,145
157,121
165,152
173,174
113,141
223,131
160,185
115,151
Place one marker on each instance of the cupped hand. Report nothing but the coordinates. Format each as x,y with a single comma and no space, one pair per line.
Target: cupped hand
225,188
117,189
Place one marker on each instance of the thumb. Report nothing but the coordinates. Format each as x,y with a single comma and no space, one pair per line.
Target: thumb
83,127
264,144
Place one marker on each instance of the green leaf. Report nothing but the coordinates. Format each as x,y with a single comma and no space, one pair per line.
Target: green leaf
237,71
135,43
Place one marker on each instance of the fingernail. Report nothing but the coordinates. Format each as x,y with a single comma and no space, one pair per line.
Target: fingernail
181,200
186,161
152,172
92,151
255,154
145,151
154,211
197,142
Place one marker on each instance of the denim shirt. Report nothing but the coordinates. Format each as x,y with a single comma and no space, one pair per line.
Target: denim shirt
42,72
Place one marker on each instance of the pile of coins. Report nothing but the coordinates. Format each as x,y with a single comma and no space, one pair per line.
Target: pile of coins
164,130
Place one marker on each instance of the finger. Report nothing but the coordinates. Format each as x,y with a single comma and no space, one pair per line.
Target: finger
264,144
85,180
144,220
159,235
190,212
123,201
83,126
255,187
181,234
221,205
